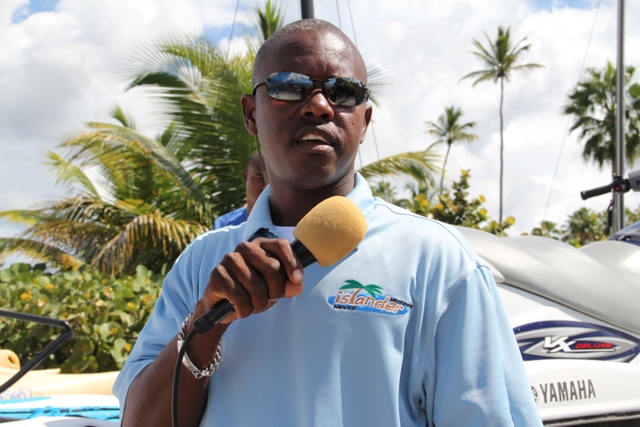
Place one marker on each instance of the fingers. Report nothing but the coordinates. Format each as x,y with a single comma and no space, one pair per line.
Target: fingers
255,276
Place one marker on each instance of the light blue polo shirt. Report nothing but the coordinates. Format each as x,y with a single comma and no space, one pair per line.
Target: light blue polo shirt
408,330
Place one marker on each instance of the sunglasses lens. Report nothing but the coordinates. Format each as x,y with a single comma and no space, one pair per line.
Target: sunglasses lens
346,91
289,86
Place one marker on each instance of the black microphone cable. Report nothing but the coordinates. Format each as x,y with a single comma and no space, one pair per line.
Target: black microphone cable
176,376
202,325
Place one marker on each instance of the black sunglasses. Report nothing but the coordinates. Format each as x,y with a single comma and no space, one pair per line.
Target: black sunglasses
288,86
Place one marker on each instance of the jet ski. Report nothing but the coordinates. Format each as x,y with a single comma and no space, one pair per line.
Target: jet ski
576,317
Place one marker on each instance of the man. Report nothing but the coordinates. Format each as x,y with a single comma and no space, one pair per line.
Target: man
255,183
444,355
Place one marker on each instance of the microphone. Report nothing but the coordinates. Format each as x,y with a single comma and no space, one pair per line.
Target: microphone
326,234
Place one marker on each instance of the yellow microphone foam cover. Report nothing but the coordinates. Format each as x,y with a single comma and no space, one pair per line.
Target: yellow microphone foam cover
332,229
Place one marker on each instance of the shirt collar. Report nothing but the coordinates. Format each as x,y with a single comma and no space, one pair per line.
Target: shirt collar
260,224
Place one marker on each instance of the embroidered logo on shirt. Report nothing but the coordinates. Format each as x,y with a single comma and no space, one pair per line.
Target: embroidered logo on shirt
370,298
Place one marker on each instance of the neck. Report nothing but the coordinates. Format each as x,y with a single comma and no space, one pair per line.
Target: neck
288,206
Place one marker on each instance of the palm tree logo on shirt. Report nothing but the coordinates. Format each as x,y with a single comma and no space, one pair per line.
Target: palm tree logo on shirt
373,290
350,297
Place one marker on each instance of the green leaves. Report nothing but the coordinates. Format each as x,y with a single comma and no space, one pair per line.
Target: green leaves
501,57
106,314
419,165
592,105
450,130
456,208
373,290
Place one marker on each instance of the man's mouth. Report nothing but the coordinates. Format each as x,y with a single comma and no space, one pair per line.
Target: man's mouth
315,138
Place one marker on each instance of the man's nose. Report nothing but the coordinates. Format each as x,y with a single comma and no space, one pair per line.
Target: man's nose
317,105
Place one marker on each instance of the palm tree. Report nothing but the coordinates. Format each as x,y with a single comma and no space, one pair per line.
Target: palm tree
448,130
201,89
593,106
148,210
418,165
268,21
501,58
585,226
372,289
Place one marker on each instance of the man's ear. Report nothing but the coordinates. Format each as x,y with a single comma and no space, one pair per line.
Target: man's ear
245,176
367,120
249,112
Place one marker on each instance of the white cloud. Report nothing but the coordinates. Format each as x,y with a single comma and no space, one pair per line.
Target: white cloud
61,69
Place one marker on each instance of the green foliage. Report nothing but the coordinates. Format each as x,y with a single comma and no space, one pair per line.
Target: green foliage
105,313
632,216
582,226
385,191
449,130
585,226
455,208
548,229
592,105
419,166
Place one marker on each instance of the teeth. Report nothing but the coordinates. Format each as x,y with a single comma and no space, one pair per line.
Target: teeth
314,138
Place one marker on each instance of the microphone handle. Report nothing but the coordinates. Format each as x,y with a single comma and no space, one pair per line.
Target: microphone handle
223,309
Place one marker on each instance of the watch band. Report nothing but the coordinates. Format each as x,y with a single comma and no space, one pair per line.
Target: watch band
197,372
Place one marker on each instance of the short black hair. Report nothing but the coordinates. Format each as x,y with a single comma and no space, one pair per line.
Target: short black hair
274,42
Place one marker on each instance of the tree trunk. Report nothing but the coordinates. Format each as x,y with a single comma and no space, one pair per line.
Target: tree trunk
446,156
501,148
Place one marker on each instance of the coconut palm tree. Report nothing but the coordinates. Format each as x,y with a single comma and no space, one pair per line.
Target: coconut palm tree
418,165
592,104
448,130
158,194
502,58
148,210
200,90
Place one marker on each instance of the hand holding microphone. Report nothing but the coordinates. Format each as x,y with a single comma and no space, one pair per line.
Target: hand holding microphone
253,275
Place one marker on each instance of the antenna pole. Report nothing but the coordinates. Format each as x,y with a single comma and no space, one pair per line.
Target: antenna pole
618,198
306,7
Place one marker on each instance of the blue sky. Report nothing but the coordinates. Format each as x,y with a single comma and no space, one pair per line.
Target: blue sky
574,4
34,6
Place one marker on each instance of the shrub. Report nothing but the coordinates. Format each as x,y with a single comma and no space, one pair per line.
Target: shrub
455,207
106,314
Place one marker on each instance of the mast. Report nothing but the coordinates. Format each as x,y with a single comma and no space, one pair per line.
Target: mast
306,6
618,197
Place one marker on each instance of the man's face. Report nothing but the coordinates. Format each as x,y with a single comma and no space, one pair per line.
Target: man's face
309,144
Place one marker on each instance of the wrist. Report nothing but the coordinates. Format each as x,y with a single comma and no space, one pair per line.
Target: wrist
198,372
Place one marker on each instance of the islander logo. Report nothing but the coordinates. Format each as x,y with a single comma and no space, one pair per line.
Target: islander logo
575,340
358,297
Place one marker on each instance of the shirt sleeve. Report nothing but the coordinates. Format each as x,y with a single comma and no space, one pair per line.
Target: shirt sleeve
480,379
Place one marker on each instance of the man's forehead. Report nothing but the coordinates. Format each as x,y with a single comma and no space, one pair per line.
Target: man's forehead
297,47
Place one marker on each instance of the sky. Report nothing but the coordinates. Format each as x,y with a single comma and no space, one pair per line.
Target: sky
62,61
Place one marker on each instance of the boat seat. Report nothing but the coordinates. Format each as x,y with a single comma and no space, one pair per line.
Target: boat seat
601,279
